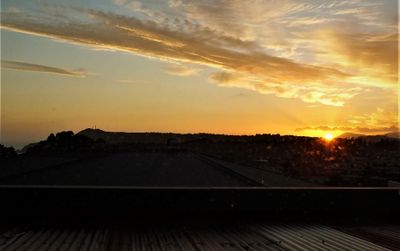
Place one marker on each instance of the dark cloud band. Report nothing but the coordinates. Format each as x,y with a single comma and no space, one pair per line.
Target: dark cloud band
23,66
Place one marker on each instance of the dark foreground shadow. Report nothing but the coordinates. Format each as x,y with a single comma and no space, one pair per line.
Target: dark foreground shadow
124,203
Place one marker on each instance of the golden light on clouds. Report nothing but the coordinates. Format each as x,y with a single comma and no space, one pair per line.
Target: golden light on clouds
312,67
186,41
325,134
23,66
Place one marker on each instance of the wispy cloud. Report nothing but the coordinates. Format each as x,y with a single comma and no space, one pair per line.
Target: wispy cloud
333,96
131,81
227,16
23,66
380,117
356,129
379,121
197,45
150,39
371,57
181,70
279,49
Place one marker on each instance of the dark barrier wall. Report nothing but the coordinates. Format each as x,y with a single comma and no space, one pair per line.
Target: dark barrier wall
109,202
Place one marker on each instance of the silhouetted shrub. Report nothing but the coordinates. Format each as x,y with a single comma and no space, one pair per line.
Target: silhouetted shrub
66,142
7,152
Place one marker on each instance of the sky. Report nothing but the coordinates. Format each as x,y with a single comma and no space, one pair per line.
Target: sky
295,67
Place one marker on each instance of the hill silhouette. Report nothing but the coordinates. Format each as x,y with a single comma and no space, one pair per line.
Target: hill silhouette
391,135
7,152
63,142
127,137
355,161
349,135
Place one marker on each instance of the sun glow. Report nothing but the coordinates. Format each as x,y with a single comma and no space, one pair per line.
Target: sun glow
328,136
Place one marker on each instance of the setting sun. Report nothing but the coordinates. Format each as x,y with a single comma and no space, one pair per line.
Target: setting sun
328,136
280,67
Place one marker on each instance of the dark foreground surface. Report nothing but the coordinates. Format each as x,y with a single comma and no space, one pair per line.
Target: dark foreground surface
196,235
185,201
131,169
128,218
142,169
309,203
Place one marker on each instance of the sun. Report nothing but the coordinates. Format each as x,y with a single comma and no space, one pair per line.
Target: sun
328,136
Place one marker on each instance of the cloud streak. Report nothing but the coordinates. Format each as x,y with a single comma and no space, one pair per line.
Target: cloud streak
326,95
356,129
372,57
379,121
181,70
200,45
23,66
189,43
272,52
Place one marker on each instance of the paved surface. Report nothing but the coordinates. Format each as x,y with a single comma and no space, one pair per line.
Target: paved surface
135,169
185,237
180,169
258,175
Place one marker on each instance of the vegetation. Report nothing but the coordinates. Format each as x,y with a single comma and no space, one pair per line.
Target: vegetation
66,142
359,161
7,152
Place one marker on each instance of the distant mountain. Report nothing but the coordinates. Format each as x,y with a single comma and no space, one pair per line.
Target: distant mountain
25,148
128,137
393,135
93,133
64,142
161,137
349,135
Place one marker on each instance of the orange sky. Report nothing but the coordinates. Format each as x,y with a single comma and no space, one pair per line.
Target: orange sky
234,67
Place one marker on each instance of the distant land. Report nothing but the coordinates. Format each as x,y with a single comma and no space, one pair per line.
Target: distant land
348,135
154,137
97,157
162,138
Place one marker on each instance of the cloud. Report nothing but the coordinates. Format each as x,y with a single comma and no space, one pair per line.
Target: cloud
356,129
23,66
196,45
369,12
180,70
272,47
332,96
380,117
241,95
119,2
227,16
131,81
372,57
379,121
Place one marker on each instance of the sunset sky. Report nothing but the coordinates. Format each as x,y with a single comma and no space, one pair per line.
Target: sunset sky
234,67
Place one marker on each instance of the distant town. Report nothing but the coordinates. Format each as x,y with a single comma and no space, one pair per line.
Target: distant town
96,157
